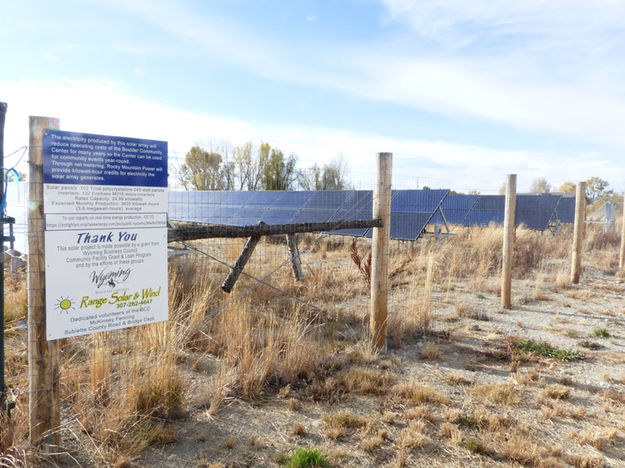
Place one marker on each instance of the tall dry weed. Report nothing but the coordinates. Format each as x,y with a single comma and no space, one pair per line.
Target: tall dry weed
422,313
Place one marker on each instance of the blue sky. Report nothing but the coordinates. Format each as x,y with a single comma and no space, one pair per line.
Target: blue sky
461,92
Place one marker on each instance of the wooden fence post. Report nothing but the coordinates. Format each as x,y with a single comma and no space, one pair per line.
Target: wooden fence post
621,259
509,227
380,250
3,407
578,231
43,355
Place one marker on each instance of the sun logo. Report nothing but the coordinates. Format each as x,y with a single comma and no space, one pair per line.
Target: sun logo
64,304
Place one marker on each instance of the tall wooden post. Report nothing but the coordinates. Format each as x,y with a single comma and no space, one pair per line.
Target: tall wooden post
578,231
380,250
3,111
621,260
43,356
509,227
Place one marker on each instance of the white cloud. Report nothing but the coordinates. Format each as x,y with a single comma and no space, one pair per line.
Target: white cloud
104,108
536,25
546,67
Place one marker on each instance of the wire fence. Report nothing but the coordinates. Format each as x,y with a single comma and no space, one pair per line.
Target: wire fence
272,326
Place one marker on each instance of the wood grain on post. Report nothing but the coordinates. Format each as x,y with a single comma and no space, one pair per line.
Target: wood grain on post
43,355
578,231
296,263
509,226
380,249
621,259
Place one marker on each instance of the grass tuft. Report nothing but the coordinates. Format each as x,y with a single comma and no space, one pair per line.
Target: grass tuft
542,348
601,333
474,445
307,458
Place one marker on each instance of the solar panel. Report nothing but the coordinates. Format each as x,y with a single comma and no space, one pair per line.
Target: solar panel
565,210
408,226
247,215
417,201
357,205
455,208
264,198
486,209
315,215
281,207
292,199
536,211
279,216
412,211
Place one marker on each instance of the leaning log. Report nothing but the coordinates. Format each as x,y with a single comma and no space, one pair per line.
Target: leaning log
236,270
296,263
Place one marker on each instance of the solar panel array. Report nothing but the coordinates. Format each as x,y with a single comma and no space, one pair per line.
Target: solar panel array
536,211
411,210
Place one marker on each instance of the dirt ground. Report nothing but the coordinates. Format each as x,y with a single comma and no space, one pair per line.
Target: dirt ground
473,400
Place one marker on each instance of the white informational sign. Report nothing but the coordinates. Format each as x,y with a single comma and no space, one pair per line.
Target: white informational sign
105,206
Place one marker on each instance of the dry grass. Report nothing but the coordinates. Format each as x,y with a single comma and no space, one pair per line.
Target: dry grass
423,309
457,379
557,392
371,444
501,393
597,439
430,350
366,381
265,344
341,423
416,394
299,429
539,288
413,436
561,279
14,297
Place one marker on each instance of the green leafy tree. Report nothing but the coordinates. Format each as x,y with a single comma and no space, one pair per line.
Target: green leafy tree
311,178
567,187
329,177
540,185
202,170
334,175
228,165
247,167
278,171
597,188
